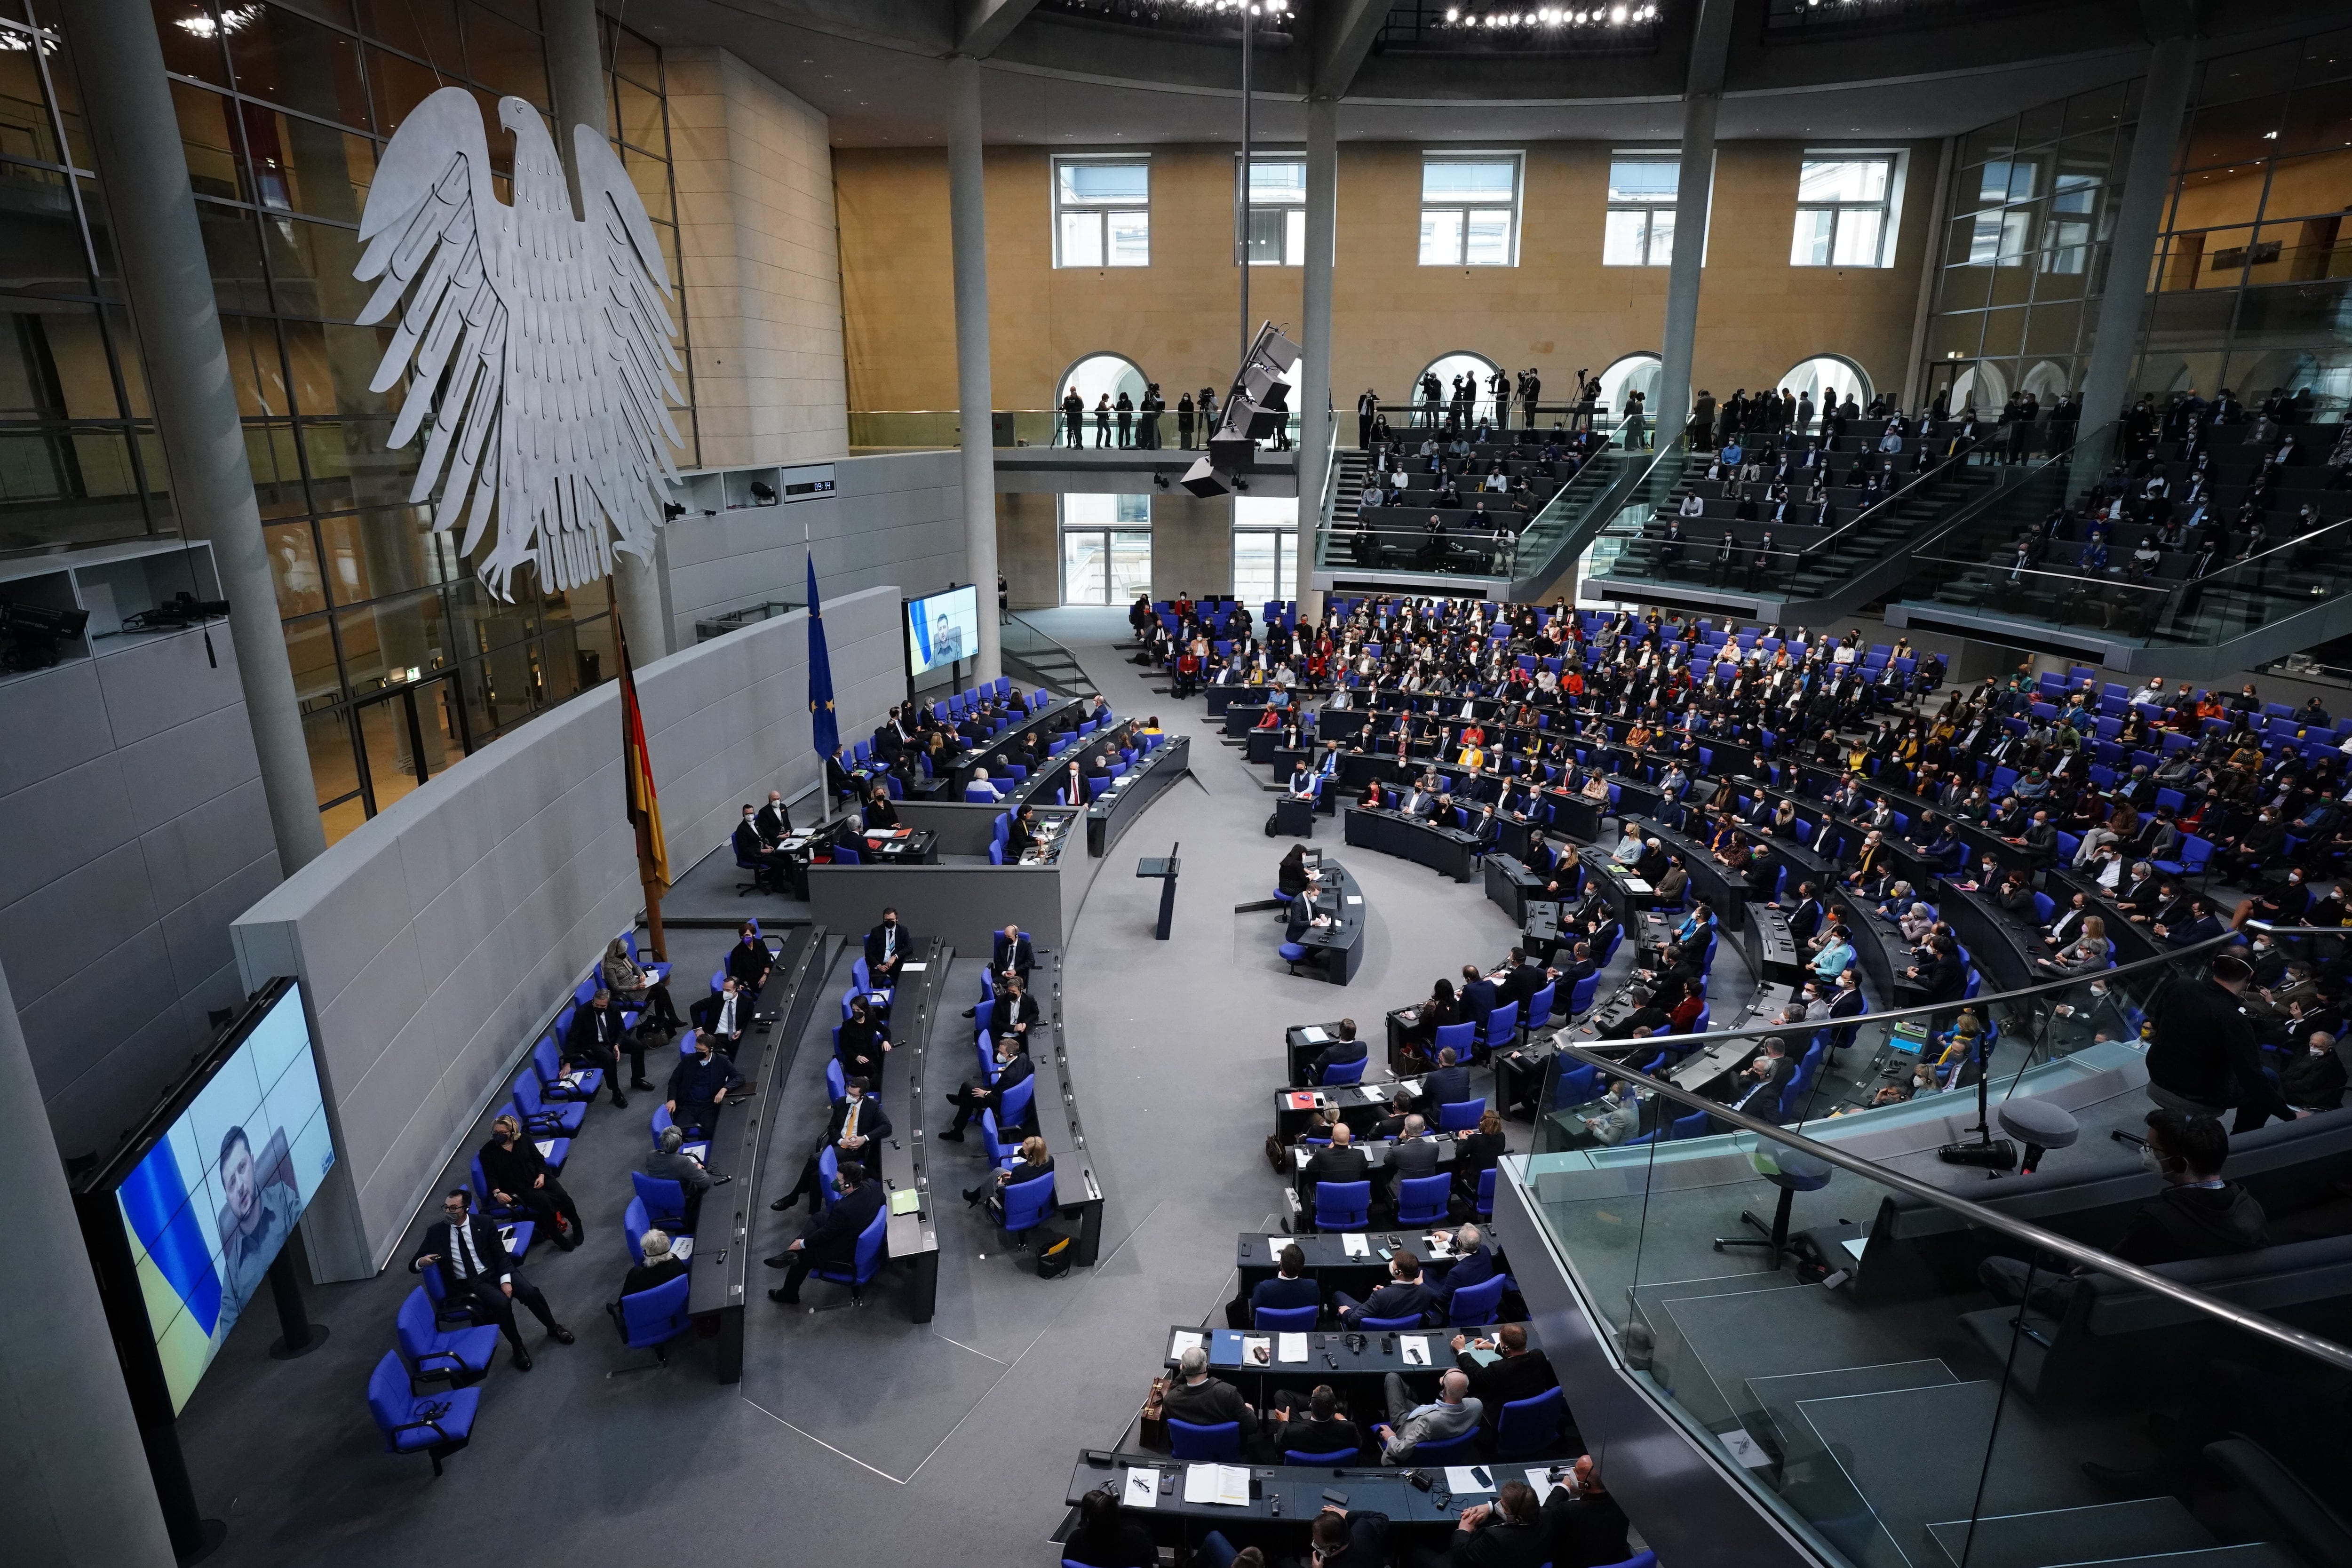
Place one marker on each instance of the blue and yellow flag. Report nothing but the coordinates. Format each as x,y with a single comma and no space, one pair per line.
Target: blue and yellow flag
824,728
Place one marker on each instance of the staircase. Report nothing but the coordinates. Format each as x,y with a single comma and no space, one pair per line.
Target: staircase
1348,488
1030,653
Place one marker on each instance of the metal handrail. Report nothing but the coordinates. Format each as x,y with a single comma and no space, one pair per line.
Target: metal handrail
2018,1230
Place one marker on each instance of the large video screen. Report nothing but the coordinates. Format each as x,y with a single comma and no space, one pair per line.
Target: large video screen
942,629
209,1207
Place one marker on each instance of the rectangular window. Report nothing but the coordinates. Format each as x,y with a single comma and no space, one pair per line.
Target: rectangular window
1841,213
1106,549
1102,212
2066,248
1277,212
1266,549
1639,229
1470,209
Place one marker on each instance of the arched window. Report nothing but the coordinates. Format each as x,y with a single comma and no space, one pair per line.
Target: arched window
1446,368
1825,374
1094,376
1983,387
1634,373
2046,380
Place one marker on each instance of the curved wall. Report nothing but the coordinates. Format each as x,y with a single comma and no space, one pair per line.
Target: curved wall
435,939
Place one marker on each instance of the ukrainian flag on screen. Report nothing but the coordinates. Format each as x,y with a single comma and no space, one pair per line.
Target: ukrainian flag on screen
177,1277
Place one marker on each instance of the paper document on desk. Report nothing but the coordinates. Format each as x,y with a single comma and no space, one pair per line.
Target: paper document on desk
1357,1242
1375,1092
1540,1478
1416,1348
1274,1246
1217,1483
1484,1358
1291,1347
1257,1350
1355,897
1635,885
682,1248
546,1146
1142,1487
1461,1479
1186,1340
1312,1033
912,968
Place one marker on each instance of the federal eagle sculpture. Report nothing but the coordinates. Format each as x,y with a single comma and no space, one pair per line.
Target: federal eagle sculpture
536,344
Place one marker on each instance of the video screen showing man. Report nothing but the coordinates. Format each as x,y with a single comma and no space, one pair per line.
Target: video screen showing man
947,639
257,1216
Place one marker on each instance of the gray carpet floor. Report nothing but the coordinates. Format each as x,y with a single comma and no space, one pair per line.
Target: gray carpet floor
952,1439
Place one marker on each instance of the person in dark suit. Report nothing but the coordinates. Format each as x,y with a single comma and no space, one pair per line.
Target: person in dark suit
1345,1538
833,1238
670,1162
1768,1075
752,846
838,784
2315,1080
661,1265
1478,995
1521,980
1014,1011
865,1044
722,1017
1289,1287
1346,1049
1404,1296
1588,1529
1447,1084
1318,1424
518,1178
1522,1373
1009,949
1849,1003
1193,1396
775,820
1342,1162
886,946
1033,1160
1474,1263
477,1271
1475,1153
856,1121
1104,1539
597,1038
698,1084
879,812
749,961
1021,834
1013,1065
1414,1157
1805,918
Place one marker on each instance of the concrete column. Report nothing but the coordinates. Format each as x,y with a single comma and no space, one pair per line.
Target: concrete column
1710,44
2131,245
77,1492
575,64
967,229
1316,435
127,100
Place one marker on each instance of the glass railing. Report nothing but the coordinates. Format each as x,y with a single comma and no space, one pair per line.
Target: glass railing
937,428
1912,1351
2008,487
1398,545
1973,567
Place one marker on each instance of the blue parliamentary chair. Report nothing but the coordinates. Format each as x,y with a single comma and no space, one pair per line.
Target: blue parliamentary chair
1343,1205
665,1200
1277,1318
1189,1441
1390,1325
865,1262
651,1318
1478,1304
1461,1115
1420,1200
457,1356
436,1425
1028,1203
1462,1448
1339,1073
1528,1428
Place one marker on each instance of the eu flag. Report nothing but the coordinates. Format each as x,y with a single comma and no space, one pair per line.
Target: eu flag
824,728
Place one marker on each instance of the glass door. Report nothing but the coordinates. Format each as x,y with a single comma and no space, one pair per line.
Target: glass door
407,735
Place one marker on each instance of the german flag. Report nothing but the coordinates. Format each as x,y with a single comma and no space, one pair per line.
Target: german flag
637,765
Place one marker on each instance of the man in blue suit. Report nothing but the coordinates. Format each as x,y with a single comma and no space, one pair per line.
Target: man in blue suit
1404,1296
1290,1287
1475,1264
1448,1083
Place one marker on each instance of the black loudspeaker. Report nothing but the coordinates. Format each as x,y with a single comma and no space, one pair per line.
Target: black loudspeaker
1202,479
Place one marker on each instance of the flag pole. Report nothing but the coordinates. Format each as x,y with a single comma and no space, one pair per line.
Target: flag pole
648,879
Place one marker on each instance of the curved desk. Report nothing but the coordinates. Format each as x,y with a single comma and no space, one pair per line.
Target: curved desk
1117,807
2001,947
1450,851
1342,943
1726,889
905,1160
